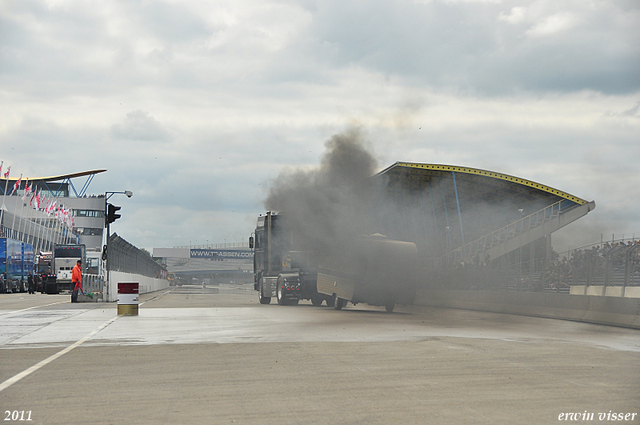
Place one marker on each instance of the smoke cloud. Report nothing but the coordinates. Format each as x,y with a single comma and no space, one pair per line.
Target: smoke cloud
321,205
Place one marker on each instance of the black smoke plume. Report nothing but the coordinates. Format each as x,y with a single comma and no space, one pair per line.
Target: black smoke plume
322,205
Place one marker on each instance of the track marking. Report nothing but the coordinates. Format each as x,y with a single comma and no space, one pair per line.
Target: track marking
6,384
30,308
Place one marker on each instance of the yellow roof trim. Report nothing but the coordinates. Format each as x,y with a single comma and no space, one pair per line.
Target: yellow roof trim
478,172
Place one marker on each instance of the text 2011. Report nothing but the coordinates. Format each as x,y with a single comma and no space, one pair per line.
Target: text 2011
17,415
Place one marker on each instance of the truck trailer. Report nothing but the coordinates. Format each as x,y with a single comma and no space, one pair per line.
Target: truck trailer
16,262
65,257
372,269
377,271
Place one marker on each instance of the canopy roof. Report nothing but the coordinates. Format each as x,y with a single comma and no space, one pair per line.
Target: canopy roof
58,177
476,183
444,207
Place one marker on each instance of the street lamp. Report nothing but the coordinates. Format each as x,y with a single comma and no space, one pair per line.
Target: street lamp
105,251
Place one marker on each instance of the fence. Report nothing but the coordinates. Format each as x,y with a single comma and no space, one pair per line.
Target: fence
126,258
610,264
92,283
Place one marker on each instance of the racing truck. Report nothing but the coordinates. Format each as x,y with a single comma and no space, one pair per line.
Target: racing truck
373,269
279,269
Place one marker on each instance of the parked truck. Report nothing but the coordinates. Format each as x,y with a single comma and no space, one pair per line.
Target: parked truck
16,262
372,270
65,257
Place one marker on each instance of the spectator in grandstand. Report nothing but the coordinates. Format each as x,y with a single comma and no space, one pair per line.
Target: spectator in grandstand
76,281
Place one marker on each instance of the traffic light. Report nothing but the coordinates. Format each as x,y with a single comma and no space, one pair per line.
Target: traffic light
111,213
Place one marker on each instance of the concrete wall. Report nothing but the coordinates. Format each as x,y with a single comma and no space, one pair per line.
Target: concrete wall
632,291
147,284
616,311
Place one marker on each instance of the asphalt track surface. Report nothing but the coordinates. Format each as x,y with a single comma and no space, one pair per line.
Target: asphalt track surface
214,355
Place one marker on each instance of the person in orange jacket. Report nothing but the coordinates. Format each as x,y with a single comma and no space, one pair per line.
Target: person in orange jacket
76,281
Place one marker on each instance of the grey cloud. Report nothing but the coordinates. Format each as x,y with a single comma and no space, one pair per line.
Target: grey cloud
141,126
467,47
632,112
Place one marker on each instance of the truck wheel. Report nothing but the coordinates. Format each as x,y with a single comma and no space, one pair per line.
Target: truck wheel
261,297
280,295
338,303
316,301
389,306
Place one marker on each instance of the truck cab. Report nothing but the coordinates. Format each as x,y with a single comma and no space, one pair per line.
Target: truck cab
280,270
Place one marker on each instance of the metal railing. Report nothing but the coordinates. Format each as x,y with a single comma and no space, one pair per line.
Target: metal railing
608,265
503,234
224,245
92,283
124,257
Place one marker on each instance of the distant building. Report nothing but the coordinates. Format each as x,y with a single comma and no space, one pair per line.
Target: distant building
28,219
227,263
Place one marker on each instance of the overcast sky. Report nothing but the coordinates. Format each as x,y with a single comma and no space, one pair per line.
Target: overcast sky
196,106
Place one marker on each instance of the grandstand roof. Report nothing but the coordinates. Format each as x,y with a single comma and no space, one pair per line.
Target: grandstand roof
476,182
444,207
58,177
64,188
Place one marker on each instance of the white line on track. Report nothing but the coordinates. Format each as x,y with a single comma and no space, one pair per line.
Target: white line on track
6,384
29,308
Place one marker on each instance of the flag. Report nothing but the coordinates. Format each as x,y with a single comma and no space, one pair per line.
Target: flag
6,175
27,190
47,208
16,186
33,195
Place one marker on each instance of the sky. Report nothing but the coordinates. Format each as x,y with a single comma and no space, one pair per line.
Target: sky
198,106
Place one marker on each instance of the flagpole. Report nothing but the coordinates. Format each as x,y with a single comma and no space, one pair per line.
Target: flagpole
15,209
61,232
43,230
50,223
40,227
4,206
32,228
24,237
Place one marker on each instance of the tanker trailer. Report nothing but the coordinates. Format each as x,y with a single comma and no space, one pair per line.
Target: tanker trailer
375,270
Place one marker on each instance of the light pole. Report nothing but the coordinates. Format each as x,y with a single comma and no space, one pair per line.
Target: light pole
105,251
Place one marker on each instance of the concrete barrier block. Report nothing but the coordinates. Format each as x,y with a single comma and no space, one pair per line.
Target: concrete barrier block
632,292
613,311
578,290
595,290
614,291
617,311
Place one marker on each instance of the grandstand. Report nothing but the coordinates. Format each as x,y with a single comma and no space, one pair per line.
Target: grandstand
22,219
463,218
